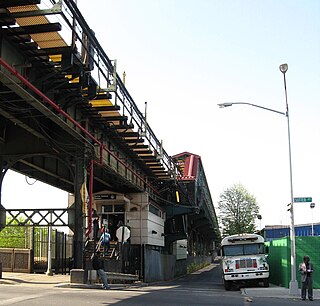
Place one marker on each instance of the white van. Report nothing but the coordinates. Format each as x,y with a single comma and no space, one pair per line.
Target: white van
244,259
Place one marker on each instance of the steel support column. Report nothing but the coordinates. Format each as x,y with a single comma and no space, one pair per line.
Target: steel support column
78,226
3,171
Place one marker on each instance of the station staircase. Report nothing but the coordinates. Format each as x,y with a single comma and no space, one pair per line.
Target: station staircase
111,253
64,71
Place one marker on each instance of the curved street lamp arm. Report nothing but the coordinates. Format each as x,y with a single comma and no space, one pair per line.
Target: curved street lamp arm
226,104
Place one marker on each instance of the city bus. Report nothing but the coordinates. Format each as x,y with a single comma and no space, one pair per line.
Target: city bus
244,259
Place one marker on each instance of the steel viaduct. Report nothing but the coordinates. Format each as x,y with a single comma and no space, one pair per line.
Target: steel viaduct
67,119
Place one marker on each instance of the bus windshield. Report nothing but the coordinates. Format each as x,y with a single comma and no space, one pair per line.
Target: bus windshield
243,249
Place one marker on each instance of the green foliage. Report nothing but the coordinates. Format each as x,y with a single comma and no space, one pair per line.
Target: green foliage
238,211
13,236
195,267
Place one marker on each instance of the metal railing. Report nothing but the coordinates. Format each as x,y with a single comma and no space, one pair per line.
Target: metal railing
104,70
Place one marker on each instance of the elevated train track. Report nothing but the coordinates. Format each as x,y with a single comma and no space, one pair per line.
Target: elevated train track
67,118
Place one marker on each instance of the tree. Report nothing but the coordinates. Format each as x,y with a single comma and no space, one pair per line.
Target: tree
13,236
238,211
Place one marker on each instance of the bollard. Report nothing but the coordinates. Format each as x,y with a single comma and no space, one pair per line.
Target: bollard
92,276
78,276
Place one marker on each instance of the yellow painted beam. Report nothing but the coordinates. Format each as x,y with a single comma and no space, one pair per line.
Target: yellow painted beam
105,102
55,58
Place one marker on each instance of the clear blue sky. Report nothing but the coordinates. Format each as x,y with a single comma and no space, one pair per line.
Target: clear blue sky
185,56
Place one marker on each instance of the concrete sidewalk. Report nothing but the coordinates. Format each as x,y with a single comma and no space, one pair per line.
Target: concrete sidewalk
276,292
13,278
57,280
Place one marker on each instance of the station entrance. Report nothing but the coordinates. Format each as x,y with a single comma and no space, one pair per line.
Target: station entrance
112,221
111,210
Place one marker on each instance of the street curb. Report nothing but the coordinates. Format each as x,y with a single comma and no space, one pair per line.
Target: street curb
8,282
268,292
99,286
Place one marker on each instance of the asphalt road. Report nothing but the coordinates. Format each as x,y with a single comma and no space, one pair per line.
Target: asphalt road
202,288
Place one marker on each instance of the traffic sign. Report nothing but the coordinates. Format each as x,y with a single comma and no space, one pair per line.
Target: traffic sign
302,200
123,233
105,196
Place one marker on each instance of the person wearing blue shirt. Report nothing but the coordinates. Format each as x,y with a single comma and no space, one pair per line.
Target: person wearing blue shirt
105,238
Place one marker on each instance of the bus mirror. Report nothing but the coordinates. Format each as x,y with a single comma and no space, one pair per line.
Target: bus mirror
267,250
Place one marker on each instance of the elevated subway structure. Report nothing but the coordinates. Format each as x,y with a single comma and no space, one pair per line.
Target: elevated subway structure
202,225
67,119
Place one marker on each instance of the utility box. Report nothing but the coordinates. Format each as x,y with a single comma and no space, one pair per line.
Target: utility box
180,248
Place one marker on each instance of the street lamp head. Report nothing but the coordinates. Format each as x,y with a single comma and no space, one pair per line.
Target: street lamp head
222,105
283,68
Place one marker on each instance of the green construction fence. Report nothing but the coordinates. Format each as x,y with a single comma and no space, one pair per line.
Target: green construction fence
280,254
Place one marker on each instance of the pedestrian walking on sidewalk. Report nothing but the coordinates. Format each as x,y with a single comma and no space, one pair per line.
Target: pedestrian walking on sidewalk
98,265
306,270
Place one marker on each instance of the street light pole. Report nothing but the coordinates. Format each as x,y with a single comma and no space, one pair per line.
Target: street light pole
293,286
259,217
312,229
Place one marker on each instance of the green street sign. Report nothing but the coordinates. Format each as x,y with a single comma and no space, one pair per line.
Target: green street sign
302,200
